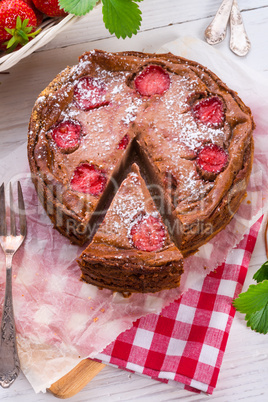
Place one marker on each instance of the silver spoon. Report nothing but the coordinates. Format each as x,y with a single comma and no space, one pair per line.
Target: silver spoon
239,42
216,30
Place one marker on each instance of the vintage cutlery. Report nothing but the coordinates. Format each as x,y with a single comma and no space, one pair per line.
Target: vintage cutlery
10,241
239,42
216,31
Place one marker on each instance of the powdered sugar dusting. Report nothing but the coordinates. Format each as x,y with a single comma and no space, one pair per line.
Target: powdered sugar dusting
190,133
171,132
180,91
131,112
127,204
103,127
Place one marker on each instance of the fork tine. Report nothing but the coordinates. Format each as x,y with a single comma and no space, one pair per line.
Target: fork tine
3,226
22,214
13,230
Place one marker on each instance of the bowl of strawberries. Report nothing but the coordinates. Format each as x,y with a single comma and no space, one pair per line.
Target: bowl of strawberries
26,25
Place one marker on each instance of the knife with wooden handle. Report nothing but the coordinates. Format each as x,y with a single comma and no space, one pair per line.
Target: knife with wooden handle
76,379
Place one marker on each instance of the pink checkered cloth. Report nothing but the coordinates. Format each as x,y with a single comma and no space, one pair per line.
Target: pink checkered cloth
186,342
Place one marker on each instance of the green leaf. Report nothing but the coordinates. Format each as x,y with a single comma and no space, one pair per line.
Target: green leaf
9,30
77,7
254,299
258,321
23,24
33,34
23,35
19,22
121,17
11,42
20,34
262,273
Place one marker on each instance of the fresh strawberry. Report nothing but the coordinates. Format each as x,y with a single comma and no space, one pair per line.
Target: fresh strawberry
38,13
210,111
50,8
152,80
17,24
87,178
124,142
211,160
89,93
66,135
148,233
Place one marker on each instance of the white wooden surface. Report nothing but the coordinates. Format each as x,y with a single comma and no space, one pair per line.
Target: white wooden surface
244,372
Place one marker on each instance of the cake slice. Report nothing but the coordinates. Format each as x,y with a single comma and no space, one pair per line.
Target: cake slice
132,250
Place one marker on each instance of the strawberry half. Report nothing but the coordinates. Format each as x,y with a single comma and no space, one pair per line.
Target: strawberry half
148,234
17,24
152,80
210,111
87,178
211,160
66,135
123,143
50,8
89,93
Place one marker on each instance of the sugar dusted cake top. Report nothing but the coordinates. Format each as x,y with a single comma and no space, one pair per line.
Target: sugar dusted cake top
189,131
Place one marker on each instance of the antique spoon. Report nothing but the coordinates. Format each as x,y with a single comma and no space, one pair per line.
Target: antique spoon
216,31
239,42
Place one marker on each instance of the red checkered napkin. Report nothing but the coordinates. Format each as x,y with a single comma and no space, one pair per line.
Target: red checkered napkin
186,342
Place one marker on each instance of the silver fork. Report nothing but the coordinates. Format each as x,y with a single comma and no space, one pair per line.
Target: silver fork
10,241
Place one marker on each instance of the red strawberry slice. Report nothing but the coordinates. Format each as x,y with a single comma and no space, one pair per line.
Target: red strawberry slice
211,160
152,80
67,134
148,234
88,179
124,142
210,111
89,93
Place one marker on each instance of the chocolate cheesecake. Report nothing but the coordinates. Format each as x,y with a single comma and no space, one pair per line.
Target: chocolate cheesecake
192,135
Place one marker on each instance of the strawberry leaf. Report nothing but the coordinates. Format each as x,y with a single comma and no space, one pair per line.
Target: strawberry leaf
258,321
11,42
254,299
20,34
262,273
77,7
19,22
121,17
254,302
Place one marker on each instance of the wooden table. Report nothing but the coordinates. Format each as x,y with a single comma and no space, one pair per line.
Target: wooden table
244,373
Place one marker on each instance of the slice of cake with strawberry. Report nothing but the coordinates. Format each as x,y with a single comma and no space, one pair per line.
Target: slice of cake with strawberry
132,250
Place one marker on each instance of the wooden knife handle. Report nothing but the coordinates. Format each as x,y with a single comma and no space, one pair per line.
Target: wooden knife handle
76,379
